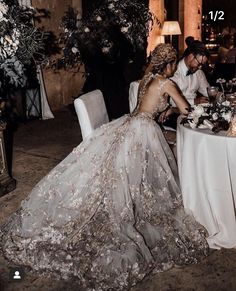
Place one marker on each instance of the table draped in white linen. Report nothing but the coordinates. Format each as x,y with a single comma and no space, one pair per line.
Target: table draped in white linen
207,169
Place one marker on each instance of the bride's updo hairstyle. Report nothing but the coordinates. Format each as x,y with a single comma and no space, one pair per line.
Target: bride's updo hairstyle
162,55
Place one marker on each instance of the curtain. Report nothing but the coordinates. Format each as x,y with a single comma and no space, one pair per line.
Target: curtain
46,111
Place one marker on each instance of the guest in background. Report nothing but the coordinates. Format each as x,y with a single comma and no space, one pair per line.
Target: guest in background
226,43
224,66
231,55
189,40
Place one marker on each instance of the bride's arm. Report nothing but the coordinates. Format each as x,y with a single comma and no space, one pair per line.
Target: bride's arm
173,91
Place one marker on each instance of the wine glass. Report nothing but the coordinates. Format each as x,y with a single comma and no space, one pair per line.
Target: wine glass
212,92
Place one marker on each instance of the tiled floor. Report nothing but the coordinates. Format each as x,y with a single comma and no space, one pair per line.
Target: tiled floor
38,147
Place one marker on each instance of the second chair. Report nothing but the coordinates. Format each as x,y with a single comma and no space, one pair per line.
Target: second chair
91,111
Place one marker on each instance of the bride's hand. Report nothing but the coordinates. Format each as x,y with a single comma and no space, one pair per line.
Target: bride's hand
164,115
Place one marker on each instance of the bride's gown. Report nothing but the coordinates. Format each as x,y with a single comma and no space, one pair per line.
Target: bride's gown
110,213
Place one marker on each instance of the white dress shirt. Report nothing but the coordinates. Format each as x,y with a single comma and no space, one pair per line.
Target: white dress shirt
191,84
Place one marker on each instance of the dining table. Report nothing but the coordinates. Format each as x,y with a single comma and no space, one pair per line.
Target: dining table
207,171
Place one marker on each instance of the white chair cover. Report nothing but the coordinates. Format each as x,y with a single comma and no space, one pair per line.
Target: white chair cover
133,95
91,111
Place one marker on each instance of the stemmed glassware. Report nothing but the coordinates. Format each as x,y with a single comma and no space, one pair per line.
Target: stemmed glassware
212,92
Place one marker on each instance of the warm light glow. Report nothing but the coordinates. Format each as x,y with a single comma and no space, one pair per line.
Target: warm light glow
171,28
211,45
160,39
193,19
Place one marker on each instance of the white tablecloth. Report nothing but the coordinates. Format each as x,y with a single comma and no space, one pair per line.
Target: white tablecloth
207,169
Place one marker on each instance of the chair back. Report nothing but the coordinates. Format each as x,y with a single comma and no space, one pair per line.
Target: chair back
133,95
91,111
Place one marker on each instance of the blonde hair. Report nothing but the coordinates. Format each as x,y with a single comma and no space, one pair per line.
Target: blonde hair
162,55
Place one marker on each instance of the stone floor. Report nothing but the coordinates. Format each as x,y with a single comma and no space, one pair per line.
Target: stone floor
38,147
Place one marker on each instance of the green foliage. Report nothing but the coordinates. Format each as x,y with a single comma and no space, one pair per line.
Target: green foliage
114,31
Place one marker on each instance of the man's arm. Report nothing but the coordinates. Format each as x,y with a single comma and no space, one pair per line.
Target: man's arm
203,83
202,89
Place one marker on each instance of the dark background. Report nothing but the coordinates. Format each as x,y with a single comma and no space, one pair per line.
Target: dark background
229,9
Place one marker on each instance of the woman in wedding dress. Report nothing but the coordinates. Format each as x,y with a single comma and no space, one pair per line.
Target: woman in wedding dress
111,212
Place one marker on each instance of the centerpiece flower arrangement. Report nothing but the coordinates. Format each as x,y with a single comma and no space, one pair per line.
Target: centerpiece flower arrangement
20,43
215,116
218,115
226,86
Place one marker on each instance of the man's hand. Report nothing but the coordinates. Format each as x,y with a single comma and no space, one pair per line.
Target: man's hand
200,100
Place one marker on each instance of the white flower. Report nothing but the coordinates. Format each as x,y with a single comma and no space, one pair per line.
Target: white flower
208,124
220,80
226,103
192,124
110,6
8,39
86,29
3,8
74,50
215,116
124,29
99,18
227,116
234,81
66,30
105,49
198,111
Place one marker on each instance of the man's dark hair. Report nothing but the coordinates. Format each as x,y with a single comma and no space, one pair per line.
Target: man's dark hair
189,40
197,48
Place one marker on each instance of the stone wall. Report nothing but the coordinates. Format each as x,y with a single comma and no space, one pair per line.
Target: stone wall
157,8
63,85
193,18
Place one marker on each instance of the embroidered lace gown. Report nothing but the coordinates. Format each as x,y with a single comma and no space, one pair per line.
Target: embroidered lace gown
110,213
